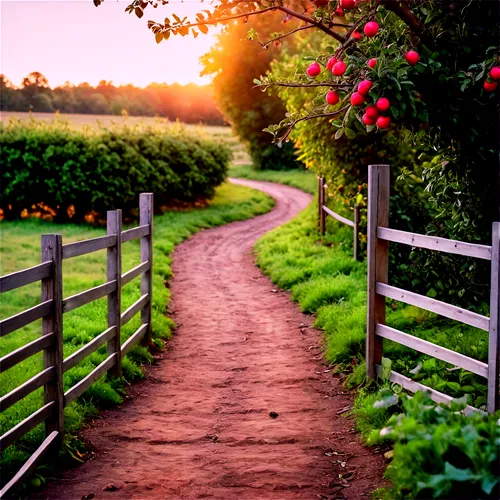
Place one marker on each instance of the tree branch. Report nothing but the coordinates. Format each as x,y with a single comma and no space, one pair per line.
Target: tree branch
269,42
403,11
310,117
304,85
309,20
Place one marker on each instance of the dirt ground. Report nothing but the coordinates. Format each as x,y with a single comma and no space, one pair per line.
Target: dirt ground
241,405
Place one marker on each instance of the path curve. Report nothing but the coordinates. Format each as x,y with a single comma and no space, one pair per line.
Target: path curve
199,426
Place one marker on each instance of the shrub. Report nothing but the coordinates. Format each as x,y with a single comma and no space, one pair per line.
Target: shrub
441,453
70,173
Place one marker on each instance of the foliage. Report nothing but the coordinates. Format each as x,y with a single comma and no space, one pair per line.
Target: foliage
20,248
187,103
441,453
301,179
71,173
234,67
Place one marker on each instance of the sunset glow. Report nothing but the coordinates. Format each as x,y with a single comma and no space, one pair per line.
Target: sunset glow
71,40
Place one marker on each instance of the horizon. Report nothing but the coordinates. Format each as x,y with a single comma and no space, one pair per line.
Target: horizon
74,44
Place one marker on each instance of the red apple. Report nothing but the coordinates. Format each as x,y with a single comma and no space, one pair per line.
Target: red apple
339,68
495,73
383,104
364,87
331,63
372,62
356,35
368,120
490,86
339,12
314,69
332,97
412,57
348,4
372,112
357,99
371,28
383,122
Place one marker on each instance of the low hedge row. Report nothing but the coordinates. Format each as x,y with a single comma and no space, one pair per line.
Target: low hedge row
72,173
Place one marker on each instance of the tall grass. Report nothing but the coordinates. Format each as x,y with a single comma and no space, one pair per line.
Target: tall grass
20,248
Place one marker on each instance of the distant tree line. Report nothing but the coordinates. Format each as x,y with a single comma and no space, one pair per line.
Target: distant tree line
187,103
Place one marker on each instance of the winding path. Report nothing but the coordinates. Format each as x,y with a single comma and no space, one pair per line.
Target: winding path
199,426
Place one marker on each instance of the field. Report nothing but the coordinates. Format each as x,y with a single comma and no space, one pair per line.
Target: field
92,121
20,248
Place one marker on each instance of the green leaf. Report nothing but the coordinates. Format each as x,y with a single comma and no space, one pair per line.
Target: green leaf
339,133
350,133
386,368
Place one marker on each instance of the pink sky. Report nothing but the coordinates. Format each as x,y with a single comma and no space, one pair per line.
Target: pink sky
73,40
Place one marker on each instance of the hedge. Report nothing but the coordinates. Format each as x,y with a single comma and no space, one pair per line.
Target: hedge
71,173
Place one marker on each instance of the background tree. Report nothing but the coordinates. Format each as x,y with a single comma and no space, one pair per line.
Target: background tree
234,62
434,63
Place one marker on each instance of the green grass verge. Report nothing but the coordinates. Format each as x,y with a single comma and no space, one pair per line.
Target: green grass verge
325,280
301,179
20,248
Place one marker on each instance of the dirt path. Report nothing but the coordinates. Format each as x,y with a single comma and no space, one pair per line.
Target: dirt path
199,426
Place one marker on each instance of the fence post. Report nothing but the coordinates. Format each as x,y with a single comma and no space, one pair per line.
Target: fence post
114,272
146,217
494,334
322,215
356,232
53,355
378,260
320,208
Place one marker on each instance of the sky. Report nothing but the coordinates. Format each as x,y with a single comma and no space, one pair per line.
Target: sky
71,40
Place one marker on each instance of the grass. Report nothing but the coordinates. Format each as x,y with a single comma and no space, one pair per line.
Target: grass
20,248
326,281
301,179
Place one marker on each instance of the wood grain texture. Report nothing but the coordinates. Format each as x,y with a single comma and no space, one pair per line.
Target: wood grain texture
87,246
82,298
26,351
146,218
23,427
114,273
40,379
98,372
420,345
338,217
494,333
51,440
412,386
134,272
135,233
435,243
24,318
25,277
134,339
436,306
53,355
137,306
88,348
378,260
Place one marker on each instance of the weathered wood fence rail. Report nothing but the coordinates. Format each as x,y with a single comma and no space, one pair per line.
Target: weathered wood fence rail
379,236
51,309
323,211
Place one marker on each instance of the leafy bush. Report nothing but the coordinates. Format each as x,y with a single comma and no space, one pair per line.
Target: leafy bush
441,453
70,173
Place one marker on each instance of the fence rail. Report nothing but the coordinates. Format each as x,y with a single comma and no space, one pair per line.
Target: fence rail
323,211
51,309
379,236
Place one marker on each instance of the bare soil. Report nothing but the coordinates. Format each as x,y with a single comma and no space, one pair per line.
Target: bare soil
241,405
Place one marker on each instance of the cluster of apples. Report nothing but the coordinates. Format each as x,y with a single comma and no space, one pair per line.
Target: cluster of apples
491,86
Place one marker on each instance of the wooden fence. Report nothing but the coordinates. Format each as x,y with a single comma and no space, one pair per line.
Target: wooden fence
379,236
323,211
51,309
